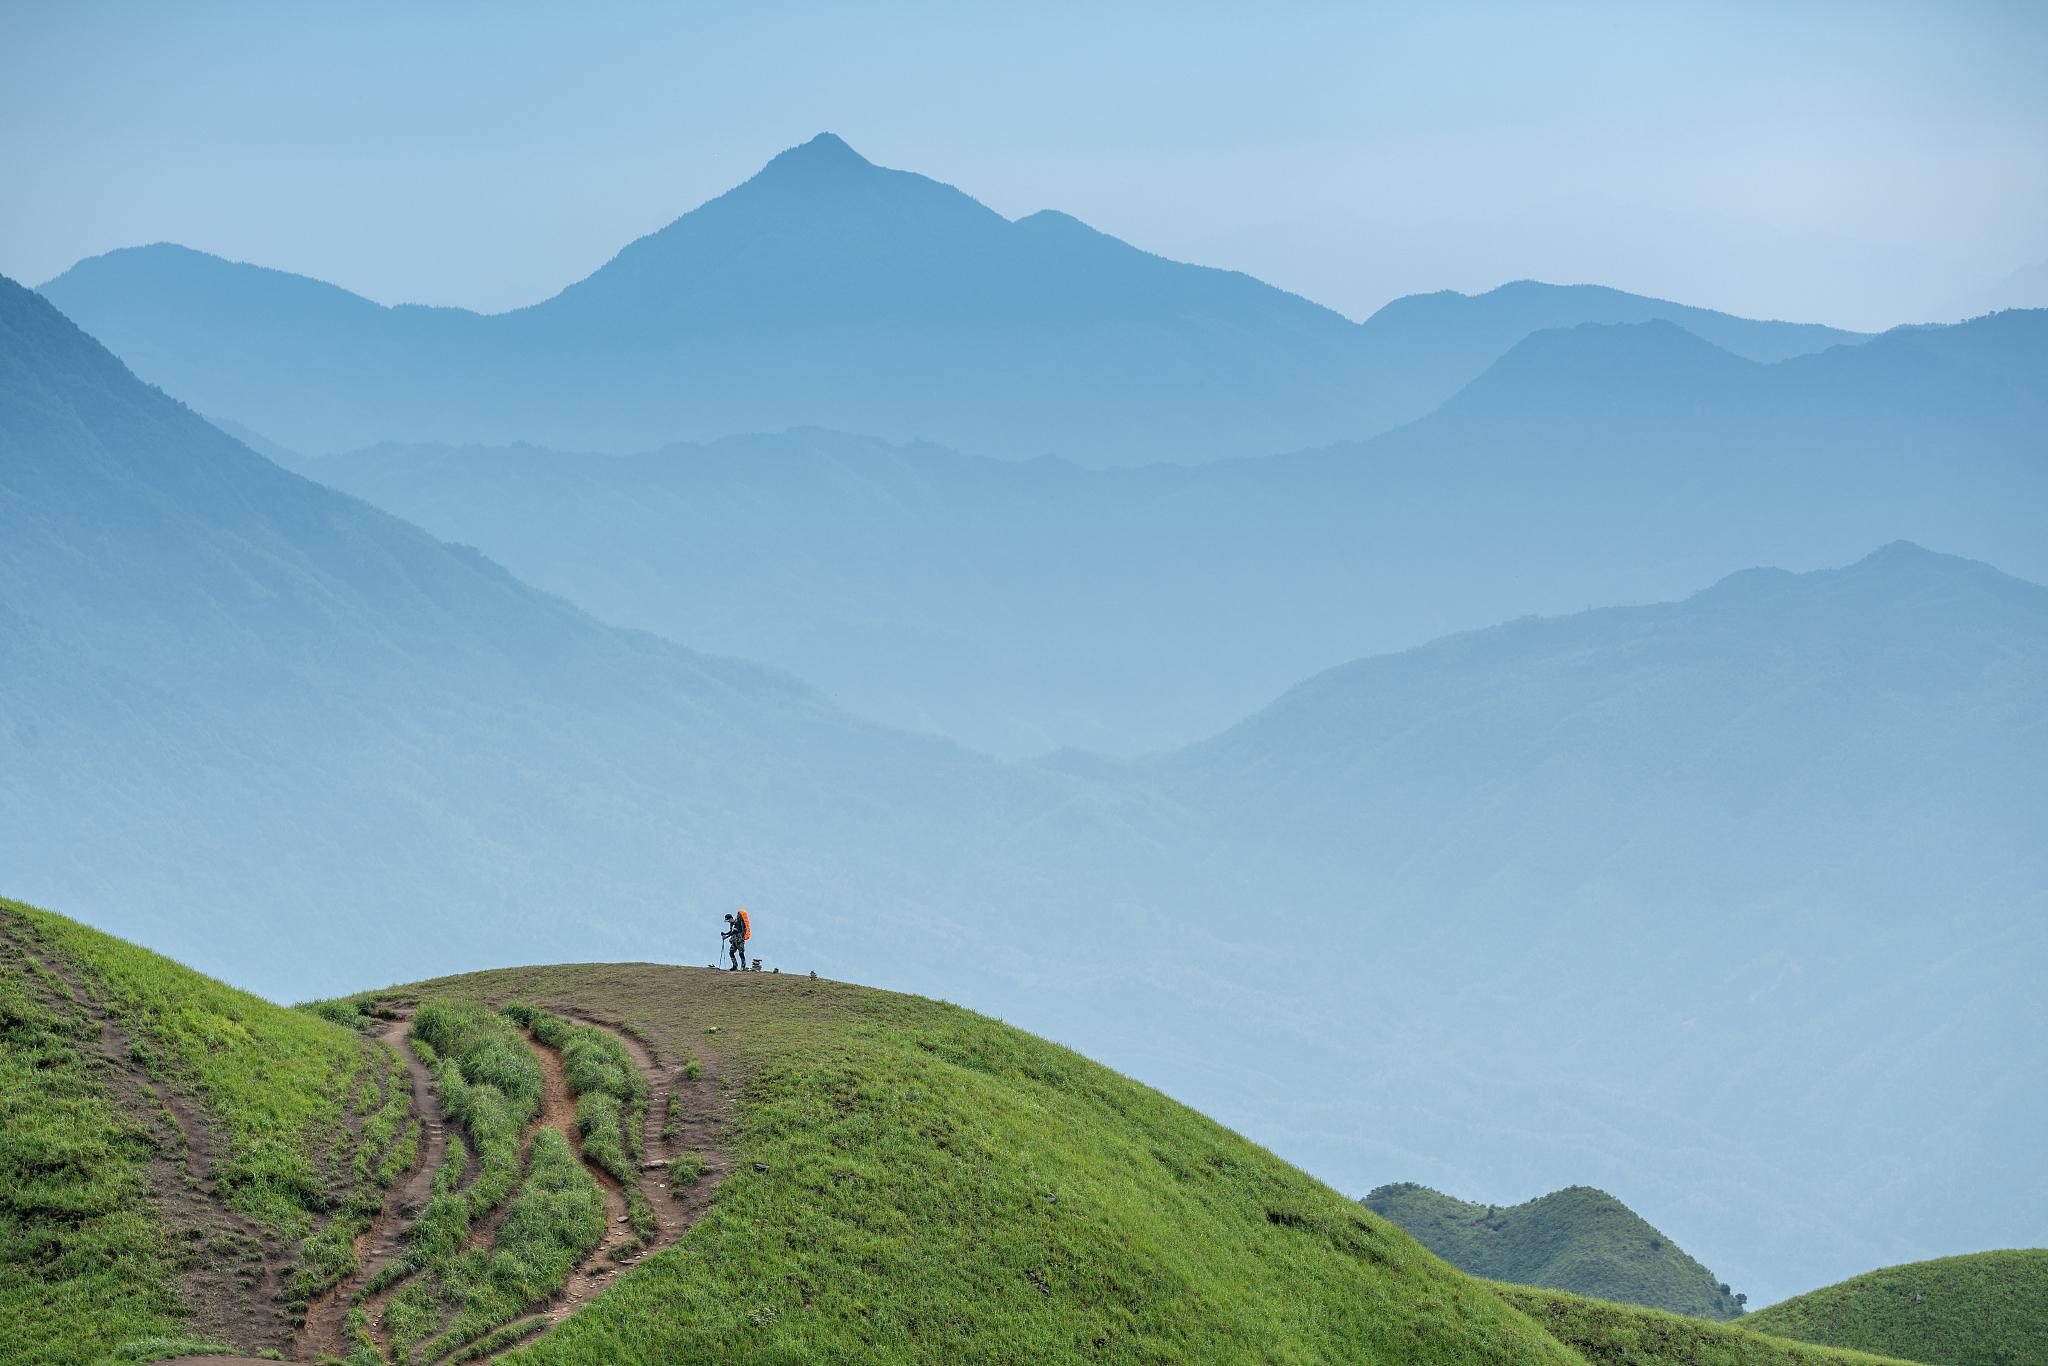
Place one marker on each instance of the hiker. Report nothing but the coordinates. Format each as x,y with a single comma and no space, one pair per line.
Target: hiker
735,944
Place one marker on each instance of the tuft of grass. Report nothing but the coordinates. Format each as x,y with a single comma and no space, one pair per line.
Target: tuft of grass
672,1122
490,1084
1985,1309
686,1171
160,1348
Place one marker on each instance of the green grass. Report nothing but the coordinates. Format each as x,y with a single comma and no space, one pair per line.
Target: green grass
909,1183
1988,1309
84,1267
272,1079
1606,1334
491,1084
1577,1239
556,1219
936,1187
611,1099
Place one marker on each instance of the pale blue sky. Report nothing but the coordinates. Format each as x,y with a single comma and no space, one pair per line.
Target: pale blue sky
1860,164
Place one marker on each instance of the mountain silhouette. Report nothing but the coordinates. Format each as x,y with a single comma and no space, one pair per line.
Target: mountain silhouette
827,291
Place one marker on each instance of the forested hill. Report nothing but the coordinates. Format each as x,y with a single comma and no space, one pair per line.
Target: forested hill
1577,1239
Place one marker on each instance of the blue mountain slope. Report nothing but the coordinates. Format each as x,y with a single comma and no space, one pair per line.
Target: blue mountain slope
827,291
271,728
1022,606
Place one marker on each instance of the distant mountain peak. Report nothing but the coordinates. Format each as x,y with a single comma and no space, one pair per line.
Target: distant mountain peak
826,151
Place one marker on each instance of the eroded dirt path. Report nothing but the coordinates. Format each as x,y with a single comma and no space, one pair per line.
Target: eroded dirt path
558,1111
700,1130
701,1120
326,1329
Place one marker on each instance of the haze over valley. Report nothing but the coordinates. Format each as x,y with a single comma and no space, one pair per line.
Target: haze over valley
1545,738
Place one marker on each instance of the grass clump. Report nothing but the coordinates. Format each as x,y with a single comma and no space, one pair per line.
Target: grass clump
458,1296
686,1171
1986,1309
159,1348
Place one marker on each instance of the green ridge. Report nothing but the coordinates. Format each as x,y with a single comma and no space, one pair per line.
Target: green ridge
1607,1334
1578,1239
912,1182
1987,1309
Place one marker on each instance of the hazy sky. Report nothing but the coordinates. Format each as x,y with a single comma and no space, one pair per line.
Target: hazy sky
1853,163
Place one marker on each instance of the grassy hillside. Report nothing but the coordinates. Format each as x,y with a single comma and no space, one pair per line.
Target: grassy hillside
1627,1335
1577,1239
841,1174
911,1181
1989,1309
178,1159
914,1182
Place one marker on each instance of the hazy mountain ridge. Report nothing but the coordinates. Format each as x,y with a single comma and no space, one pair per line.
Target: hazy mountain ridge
1023,606
826,291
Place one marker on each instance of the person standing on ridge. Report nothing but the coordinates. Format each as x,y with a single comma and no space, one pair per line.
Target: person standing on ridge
735,944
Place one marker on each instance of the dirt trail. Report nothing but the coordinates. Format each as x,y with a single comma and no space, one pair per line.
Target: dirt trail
325,1332
558,1111
702,1131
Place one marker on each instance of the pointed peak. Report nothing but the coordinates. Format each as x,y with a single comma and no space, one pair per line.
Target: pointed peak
826,151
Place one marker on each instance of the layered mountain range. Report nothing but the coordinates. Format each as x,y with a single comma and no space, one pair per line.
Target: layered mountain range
1023,607
827,291
1691,899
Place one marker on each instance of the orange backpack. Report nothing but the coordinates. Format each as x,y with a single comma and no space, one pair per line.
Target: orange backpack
746,926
